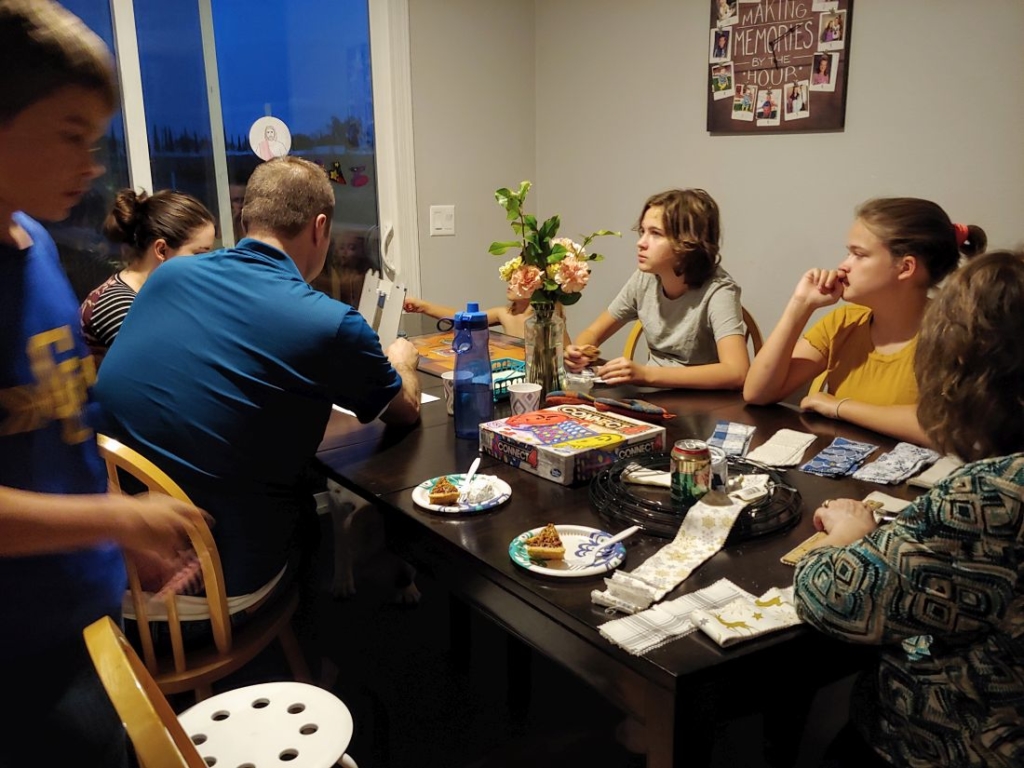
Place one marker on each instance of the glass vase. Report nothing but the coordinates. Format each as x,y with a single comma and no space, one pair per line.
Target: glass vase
545,331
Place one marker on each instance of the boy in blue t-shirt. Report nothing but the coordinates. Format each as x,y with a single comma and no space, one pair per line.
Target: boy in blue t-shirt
60,531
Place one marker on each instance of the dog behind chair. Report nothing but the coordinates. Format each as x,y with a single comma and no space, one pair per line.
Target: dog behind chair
359,540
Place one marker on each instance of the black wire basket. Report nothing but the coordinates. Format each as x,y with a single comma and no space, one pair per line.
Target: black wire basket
651,507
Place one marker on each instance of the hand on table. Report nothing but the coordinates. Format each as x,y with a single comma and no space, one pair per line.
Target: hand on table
820,403
844,520
621,370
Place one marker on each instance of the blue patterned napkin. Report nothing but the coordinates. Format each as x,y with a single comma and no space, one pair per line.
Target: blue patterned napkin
732,437
898,464
840,458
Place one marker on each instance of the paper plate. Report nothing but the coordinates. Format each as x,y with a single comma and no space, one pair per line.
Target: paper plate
580,543
421,495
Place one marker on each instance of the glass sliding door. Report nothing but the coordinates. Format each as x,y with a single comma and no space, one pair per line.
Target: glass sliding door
300,66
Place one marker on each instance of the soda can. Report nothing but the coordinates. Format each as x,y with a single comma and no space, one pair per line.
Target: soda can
691,472
719,468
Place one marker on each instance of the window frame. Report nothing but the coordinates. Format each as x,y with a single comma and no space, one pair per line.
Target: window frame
393,131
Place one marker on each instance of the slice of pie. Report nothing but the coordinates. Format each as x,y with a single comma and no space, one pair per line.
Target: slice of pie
443,492
546,545
590,352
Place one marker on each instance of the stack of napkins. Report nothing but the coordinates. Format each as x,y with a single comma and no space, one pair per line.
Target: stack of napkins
840,458
723,611
783,449
669,621
732,437
898,464
747,617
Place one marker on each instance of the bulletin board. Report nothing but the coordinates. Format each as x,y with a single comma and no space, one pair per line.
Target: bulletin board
778,65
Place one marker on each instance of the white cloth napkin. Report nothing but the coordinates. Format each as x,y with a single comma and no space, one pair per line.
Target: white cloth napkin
702,533
747,617
783,449
668,621
936,472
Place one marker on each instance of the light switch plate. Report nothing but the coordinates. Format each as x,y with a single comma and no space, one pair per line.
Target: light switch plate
442,220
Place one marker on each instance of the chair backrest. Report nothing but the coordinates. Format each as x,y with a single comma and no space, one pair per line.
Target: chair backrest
154,730
118,456
753,335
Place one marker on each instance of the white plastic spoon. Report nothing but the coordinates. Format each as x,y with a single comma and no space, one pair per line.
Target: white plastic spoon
464,485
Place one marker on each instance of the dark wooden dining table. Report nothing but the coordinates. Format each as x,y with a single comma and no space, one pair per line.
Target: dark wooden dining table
678,690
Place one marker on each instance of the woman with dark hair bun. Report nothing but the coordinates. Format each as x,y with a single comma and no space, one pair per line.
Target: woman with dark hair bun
861,355
941,589
150,229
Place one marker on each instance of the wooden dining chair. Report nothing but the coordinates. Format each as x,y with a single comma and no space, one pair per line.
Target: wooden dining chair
232,648
270,722
753,335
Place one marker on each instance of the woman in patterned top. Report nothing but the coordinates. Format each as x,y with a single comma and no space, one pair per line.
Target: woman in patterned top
941,589
151,230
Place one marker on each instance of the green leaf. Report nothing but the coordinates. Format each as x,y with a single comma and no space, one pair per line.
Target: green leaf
502,196
595,257
530,222
550,227
568,299
524,187
499,247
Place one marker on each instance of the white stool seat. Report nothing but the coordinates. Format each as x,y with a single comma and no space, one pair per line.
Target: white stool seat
270,724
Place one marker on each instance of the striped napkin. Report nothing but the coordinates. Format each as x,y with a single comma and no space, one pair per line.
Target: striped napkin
732,437
668,621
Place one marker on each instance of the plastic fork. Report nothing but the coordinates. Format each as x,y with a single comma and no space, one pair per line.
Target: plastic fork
602,546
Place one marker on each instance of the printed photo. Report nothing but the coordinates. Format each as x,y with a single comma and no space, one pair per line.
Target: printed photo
825,5
721,45
797,96
832,31
767,107
743,103
727,15
721,81
823,71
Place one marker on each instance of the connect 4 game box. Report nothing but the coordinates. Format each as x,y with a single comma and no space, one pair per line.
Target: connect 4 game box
568,443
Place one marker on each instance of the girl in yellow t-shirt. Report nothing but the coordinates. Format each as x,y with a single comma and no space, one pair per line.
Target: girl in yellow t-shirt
861,355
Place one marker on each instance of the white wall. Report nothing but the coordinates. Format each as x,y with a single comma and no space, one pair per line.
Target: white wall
473,117
935,109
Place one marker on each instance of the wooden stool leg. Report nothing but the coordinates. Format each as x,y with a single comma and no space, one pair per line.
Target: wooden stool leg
293,654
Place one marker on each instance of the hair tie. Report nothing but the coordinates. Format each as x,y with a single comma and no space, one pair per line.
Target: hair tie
962,233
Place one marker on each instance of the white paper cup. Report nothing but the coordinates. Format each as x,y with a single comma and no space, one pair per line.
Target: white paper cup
448,382
524,397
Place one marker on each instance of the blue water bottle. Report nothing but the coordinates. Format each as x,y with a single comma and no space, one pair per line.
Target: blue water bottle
474,401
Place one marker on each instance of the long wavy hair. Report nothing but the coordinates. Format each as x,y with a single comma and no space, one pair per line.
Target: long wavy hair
693,227
969,362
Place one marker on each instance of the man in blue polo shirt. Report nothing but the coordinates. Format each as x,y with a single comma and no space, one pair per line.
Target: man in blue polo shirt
226,368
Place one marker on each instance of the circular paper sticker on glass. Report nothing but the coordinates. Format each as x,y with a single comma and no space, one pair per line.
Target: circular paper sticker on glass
269,137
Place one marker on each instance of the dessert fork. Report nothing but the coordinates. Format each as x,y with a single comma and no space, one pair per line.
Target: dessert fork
601,547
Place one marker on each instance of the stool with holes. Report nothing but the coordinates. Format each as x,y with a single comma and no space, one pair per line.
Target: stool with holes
259,725
292,723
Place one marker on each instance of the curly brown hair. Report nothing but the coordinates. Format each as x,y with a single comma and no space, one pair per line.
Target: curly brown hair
968,362
693,227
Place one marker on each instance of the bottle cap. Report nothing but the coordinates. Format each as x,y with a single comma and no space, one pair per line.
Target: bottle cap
472,318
